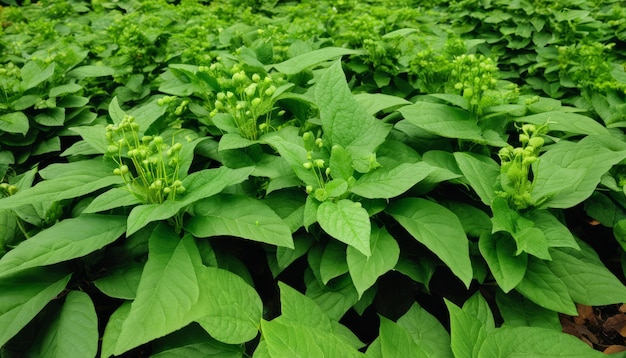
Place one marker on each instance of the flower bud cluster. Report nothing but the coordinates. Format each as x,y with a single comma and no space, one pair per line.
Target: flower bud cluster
314,146
148,165
587,67
246,96
516,167
473,76
7,189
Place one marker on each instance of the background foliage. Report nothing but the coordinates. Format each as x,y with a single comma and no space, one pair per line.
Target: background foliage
274,178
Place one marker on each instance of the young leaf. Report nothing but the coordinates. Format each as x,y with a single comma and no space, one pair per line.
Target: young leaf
439,229
566,122
15,122
545,288
309,59
347,222
121,282
427,332
344,121
33,74
231,309
24,295
499,250
395,341
335,299
387,183
76,322
534,342
240,216
556,233
199,185
467,332
168,290
376,102
366,270
333,262
68,239
300,309
111,199
113,329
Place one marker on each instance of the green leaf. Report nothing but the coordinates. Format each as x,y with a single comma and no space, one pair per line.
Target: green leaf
290,145
64,89
518,311
364,270
239,216
588,281
336,298
15,122
23,295
566,122
200,185
443,120
33,74
77,322
427,332
347,222
481,172
293,340
168,291
396,341
534,342
113,329
527,237
467,332
344,121
376,102
111,199
310,59
66,240
286,256
115,111
333,261
439,229
556,233
52,117
90,71
300,309
478,307
568,173
93,134
232,310
386,183
546,289
121,282
499,251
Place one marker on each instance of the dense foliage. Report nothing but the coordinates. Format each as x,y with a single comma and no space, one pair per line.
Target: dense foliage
274,179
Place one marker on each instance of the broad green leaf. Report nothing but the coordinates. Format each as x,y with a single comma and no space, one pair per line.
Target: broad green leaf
168,291
94,135
234,141
240,216
200,185
499,251
64,187
25,294
286,256
336,298
474,220
33,74
146,114
439,229
566,122
387,183
364,270
64,89
111,199
52,117
481,172
300,309
121,282
585,161
90,71
588,280
345,122
194,342
333,262
420,270
294,340
546,289
518,311
376,102
556,233
114,328
73,332
534,342
396,341
290,145
600,207
96,166
15,122
427,332
443,120
66,240
231,309
467,332
347,222
115,111
313,58
527,237
478,307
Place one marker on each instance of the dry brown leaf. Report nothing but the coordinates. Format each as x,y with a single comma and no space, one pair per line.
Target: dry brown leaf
585,314
614,349
616,323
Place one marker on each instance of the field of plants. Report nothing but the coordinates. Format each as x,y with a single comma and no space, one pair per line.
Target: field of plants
270,178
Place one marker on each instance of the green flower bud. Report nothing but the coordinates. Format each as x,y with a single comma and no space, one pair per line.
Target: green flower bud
319,163
307,165
536,142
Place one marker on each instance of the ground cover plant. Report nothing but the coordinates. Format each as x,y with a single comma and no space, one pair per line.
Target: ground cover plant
275,179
